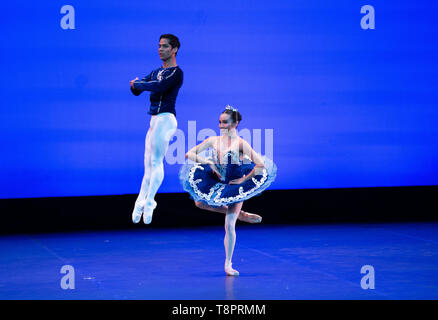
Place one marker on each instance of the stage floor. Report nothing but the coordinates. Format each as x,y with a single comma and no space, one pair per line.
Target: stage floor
275,262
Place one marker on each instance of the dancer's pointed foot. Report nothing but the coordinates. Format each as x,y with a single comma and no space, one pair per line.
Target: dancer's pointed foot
230,271
137,212
148,211
249,217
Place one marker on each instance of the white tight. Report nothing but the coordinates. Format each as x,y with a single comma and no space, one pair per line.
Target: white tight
162,128
230,230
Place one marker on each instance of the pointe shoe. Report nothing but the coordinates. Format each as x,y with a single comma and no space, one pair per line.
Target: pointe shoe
249,217
230,271
148,211
137,212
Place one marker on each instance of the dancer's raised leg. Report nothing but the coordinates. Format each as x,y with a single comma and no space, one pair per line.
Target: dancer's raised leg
230,236
243,215
164,130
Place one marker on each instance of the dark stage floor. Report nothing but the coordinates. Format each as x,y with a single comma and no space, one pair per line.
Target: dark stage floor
275,262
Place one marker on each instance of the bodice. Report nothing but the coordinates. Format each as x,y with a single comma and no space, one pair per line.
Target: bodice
231,166
229,157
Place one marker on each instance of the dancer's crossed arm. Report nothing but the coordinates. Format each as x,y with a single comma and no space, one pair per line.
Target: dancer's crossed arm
137,92
160,85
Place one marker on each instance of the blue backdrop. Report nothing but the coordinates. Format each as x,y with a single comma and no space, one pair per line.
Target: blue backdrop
348,107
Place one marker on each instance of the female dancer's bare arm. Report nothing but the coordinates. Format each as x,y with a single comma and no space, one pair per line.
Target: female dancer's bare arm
193,154
255,157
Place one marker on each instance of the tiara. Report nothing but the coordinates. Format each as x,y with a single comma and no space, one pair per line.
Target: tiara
228,107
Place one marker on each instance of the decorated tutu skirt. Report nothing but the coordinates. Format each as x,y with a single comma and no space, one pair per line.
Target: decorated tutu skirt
202,183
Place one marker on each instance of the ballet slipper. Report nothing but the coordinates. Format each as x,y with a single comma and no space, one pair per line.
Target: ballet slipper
138,211
230,271
249,217
148,211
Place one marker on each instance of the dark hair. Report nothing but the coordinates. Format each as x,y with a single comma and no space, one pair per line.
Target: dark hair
235,115
173,40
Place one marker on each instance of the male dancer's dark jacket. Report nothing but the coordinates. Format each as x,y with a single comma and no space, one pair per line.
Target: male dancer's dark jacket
164,84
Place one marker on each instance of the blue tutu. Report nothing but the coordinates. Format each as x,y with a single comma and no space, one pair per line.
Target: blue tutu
202,184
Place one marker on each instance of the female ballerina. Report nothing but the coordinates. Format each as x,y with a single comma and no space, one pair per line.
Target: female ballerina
234,173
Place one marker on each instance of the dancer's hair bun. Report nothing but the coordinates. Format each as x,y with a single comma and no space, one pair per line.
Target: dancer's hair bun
234,113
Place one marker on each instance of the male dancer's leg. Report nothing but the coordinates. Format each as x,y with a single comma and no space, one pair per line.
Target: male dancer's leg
141,199
163,131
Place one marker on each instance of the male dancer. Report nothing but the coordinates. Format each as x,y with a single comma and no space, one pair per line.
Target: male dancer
164,84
